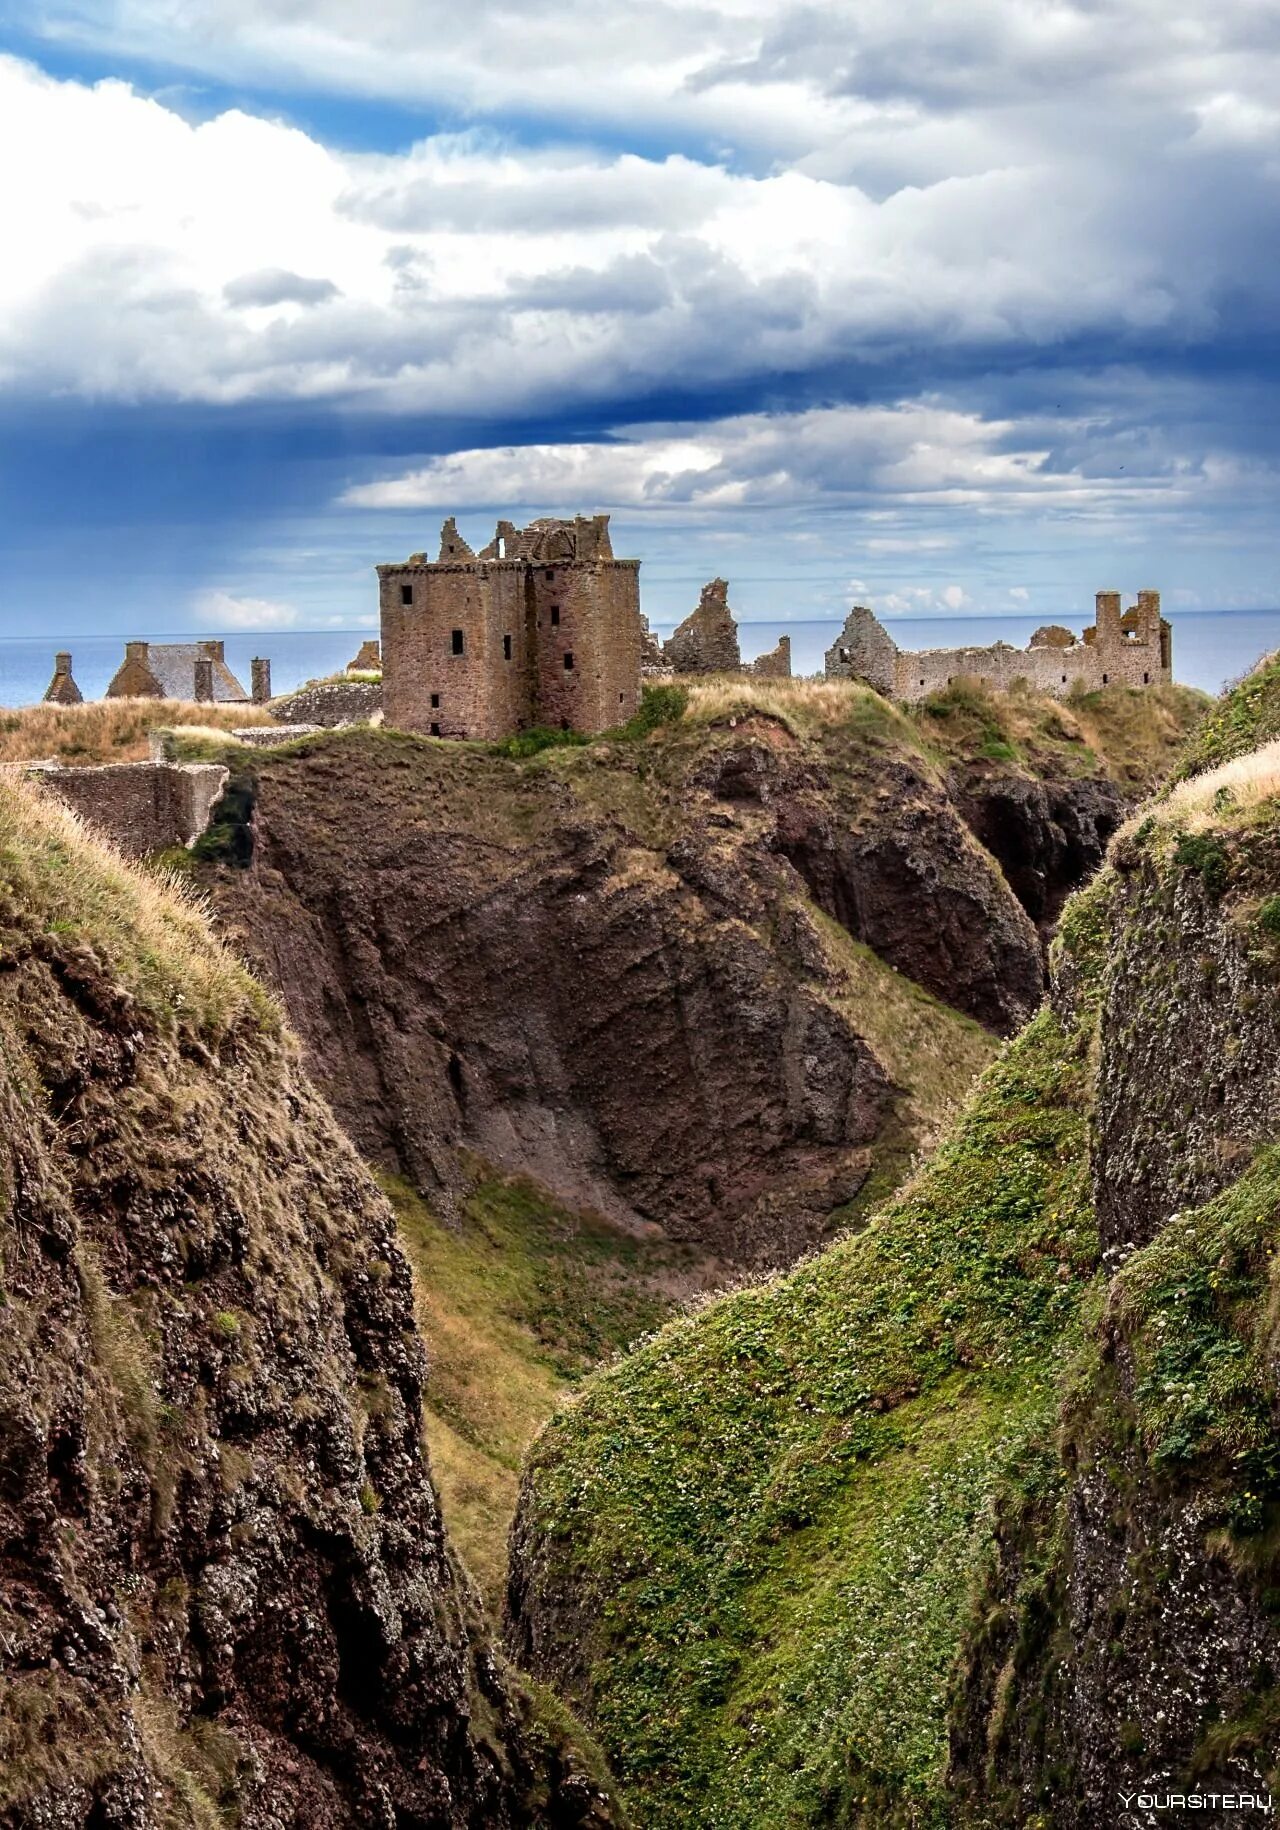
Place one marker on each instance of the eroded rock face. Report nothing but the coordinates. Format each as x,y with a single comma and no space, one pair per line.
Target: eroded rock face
1048,837
490,965
224,1587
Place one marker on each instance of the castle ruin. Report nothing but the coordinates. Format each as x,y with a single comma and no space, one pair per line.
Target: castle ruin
542,627
706,642
1133,647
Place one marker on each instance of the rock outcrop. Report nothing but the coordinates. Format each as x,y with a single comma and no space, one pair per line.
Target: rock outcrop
499,955
225,1593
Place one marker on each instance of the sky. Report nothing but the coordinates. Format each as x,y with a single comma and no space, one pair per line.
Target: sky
942,305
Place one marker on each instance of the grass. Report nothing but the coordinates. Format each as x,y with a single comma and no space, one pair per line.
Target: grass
771,1509
516,1304
109,730
1241,720
56,876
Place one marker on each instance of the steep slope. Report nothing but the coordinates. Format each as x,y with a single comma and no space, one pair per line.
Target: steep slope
974,1519
225,1595
596,967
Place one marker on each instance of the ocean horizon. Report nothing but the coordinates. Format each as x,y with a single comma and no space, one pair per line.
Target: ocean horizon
1210,647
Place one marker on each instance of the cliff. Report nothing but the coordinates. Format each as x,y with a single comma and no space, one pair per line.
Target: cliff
225,1592
972,1518
723,973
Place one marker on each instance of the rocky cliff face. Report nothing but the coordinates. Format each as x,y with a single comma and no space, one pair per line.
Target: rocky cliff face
1129,1632
225,1594
607,967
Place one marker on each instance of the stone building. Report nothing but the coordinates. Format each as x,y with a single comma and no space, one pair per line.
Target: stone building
62,688
540,628
369,659
1123,648
177,670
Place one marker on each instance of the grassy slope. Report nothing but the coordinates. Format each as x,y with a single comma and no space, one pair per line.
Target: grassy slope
108,730
772,1509
516,1304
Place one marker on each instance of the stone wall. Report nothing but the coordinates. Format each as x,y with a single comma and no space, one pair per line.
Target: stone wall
706,642
331,703
140,807
776,665
1129,649
588,657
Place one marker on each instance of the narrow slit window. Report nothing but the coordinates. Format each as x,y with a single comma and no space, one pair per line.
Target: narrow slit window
568,662
1106,679
406,594
555,616
506,647
457,641
435,702
1146,679
435,730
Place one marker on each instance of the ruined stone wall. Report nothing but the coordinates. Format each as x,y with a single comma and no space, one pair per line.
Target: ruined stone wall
776,665
864,650
1129,650
484,691
587,613
331,703
141,807
1088,665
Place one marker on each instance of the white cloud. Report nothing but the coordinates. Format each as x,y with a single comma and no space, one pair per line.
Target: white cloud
954,597
1019,594
916,452
240,258
216,609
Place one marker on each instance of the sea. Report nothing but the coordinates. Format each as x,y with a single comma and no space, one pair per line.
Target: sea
1210,648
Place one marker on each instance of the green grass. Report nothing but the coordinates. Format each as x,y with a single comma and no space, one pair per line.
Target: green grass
772,1509
1242,720
517,1303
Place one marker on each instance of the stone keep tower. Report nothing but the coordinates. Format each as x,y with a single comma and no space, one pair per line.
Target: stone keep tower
540,628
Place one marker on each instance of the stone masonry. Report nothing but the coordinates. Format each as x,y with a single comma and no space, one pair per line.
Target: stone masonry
1123,648
141,807
62,689
540,628
706,642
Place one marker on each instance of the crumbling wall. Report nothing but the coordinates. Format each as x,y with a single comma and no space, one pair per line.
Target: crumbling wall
1133,649
332,703
864,650
776,665
141,807
706,642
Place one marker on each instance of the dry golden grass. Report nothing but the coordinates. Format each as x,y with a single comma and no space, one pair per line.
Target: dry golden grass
153,931
108,730
1226,793
804,706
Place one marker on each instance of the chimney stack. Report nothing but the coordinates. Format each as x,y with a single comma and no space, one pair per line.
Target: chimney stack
204,680
261,680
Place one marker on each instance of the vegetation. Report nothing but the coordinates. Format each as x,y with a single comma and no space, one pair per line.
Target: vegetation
1242,720
55,875
109,730
517,1302
772,1509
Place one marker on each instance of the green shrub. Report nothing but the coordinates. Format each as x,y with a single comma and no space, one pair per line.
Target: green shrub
1269,916
1198,851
